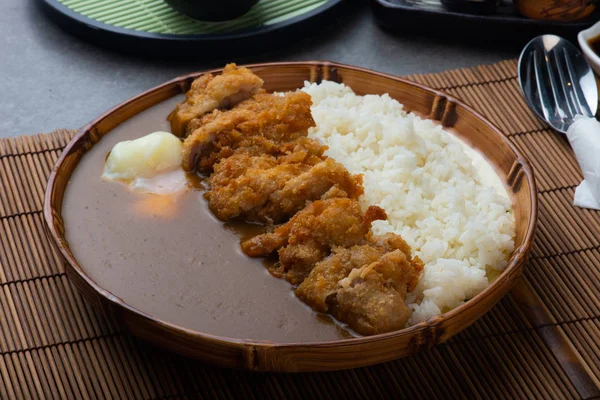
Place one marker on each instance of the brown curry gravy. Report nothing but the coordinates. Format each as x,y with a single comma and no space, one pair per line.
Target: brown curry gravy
171,258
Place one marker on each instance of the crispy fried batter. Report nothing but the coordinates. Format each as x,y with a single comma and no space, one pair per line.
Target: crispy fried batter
265,123
371,299
310,235
322,281
323,179
269,189
201,149
242,184
392,242
365,285
208,93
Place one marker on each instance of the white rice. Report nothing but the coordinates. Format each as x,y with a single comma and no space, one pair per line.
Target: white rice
439,194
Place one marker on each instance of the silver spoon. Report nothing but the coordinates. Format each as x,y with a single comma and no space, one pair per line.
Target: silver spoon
556,81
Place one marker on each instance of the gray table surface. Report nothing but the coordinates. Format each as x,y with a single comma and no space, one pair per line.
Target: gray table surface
50,79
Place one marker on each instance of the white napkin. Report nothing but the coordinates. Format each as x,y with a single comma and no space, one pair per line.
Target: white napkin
584,136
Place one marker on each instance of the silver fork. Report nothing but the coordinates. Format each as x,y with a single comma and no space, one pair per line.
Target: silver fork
557,82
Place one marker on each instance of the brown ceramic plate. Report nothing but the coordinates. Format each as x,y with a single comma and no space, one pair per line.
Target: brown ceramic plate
258,355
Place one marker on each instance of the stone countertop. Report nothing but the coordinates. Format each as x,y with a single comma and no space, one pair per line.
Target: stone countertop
51,79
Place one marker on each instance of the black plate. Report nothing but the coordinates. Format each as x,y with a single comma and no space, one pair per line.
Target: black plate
430,16
242,42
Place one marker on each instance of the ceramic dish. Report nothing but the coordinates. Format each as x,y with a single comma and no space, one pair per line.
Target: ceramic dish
260,355
583,38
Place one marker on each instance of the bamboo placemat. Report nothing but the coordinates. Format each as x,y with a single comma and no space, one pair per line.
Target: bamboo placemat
541,341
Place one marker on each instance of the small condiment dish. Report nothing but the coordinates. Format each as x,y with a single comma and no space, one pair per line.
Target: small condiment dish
584,38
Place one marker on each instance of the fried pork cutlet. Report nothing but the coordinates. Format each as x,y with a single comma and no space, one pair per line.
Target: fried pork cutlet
269,189
208,93
322,282
365,285
263,124
241,184
309,236
372,299
264,168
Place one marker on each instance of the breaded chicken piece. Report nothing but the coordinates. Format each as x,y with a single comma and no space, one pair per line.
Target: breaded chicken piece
309,236
371,299
344,274
201,149
261,101
208,93
321,284
273,191
242,184
265,123
325,180
391,242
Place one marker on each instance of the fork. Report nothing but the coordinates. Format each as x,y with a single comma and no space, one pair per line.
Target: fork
557,82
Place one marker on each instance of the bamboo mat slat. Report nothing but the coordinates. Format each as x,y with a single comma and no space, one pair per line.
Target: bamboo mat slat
541,341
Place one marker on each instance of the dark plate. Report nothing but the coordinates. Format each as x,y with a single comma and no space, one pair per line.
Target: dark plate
193,46
431,16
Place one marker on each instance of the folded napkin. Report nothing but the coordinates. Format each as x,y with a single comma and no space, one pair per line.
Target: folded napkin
584,136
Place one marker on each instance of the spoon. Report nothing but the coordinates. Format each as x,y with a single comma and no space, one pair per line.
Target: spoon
557,81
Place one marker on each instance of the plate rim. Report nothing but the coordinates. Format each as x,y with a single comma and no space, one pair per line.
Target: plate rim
518,257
